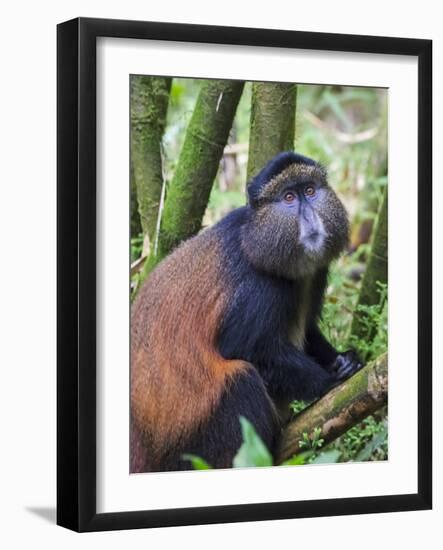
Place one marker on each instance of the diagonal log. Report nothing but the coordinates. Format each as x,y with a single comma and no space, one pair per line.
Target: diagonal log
340,409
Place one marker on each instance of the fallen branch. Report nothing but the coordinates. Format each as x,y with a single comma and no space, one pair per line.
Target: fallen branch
340,409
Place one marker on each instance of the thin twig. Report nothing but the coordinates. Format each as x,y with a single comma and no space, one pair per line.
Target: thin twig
350,139
162,201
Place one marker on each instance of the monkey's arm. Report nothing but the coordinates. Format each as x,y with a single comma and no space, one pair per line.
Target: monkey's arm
319,348
254,328
328,357
291,373
288,372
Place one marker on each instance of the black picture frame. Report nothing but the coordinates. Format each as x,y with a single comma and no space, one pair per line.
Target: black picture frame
76,273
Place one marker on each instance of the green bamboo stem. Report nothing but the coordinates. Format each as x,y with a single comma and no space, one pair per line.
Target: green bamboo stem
272,126
149,104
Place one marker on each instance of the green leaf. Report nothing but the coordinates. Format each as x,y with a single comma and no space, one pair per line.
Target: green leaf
197,462
298,460
328,457
370,447
297,406
253,451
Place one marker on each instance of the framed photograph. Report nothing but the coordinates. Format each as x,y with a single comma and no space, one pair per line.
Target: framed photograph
244,318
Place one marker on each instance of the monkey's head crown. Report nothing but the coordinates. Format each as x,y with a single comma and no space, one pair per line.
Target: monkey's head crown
283,167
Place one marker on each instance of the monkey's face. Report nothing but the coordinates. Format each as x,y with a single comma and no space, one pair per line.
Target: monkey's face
301,202
297,225
315,217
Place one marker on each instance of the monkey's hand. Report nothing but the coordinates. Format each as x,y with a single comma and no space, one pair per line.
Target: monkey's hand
345,365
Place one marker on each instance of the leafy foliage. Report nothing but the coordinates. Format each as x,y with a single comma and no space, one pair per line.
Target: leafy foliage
311,441
364,441
136,247
375,320
253,452
197,462
297,406
328,457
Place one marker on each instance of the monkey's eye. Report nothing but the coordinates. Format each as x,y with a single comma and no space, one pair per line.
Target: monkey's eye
309,190
289,196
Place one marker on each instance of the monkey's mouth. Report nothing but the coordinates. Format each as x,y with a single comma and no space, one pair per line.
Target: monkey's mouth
313,241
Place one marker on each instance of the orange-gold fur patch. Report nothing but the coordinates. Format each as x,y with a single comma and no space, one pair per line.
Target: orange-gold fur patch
174,324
